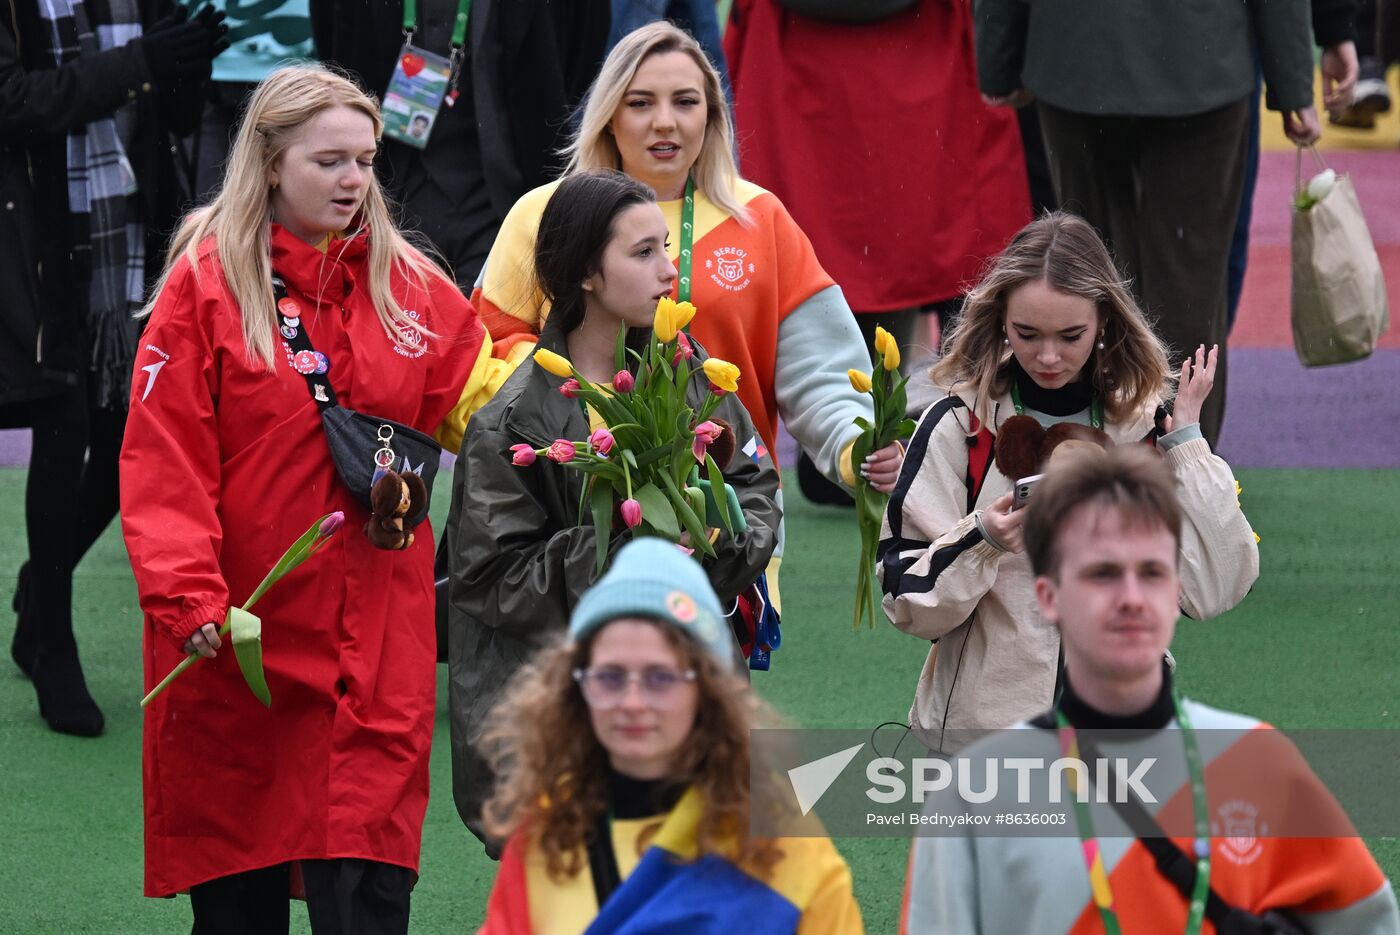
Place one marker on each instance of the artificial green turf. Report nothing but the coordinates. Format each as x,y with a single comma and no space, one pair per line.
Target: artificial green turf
1314,646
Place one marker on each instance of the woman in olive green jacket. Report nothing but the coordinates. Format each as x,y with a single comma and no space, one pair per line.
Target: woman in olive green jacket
520,556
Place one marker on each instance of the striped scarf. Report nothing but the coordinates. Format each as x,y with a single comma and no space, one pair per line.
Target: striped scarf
109,243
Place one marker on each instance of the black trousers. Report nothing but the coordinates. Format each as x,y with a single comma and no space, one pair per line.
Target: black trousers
346,896
1164,192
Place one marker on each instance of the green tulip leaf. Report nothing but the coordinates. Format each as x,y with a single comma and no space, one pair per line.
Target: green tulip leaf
657,511
246,630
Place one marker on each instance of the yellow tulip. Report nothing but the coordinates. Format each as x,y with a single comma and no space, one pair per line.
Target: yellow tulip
891,353
554,363
722,374
684,313
666,323
860,382
882,339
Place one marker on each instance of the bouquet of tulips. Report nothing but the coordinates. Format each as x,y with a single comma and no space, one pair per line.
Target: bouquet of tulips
646,458
886,389
246,628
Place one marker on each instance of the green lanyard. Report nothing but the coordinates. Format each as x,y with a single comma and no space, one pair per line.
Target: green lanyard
459,38
1095,406
687,241
1093,856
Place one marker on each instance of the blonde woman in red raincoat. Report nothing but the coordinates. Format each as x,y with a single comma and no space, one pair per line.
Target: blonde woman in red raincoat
225,462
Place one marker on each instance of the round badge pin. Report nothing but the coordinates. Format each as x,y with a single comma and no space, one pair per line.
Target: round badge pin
289,308
304,362
293,322
288,332
322,365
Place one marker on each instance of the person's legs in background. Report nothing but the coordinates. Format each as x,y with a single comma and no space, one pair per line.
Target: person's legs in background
251,903
350,896
1239,246
54,511
1192,178
1372,94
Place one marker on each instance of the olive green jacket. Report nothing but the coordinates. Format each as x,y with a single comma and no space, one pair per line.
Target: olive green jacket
1160,58
520,561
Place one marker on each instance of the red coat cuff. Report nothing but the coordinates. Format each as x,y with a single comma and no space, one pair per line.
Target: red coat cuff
208,612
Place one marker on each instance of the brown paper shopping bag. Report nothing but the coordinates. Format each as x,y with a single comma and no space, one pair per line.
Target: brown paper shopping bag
1340,309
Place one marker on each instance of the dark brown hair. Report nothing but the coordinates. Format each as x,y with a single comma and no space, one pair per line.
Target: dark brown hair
1132,479
575,228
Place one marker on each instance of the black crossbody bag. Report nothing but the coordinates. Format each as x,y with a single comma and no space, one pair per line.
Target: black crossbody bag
1180,870
363,446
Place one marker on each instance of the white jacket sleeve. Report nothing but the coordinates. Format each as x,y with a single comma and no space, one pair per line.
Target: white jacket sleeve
934,562
1219,553
817,343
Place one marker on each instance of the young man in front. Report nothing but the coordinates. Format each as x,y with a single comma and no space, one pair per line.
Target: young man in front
1103,536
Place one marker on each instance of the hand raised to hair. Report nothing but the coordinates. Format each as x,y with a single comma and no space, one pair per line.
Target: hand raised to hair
1197,379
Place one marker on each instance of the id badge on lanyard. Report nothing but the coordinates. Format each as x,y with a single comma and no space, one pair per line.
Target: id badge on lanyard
422,80
415,94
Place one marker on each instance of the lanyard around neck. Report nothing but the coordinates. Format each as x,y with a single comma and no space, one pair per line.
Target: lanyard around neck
1095,406
459,25
458,42
687,241
1093,854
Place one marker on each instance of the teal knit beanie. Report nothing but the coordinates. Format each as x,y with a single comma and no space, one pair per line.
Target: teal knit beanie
653,578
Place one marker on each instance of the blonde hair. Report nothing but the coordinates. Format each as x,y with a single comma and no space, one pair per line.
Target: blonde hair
593,146
1066,252
238,215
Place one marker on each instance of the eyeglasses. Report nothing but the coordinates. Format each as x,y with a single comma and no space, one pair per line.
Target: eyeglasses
605,686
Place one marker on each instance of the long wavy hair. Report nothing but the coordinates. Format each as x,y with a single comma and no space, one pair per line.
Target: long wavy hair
551,771
238,216
593,146
1067,253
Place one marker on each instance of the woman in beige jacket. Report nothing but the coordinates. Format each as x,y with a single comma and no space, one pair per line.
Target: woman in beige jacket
1052,333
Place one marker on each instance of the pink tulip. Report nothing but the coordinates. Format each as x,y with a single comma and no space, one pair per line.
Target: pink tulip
562,451
522,455
569,388
331,525
705,434
623,382
687,550
684,349
631,513
602,441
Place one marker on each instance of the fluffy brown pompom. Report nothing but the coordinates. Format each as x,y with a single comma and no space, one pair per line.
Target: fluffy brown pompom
1018,447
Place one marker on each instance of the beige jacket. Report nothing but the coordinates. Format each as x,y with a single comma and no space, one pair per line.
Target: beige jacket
995,659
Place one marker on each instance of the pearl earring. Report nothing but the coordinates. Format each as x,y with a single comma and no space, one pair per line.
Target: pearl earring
1100,344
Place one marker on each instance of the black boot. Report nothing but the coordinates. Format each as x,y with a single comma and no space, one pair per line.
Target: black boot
63,695
26,640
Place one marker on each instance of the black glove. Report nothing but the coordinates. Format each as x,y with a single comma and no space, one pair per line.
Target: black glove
179,47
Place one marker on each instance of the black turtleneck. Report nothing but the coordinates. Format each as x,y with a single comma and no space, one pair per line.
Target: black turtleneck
1065,401
1086,717
628,798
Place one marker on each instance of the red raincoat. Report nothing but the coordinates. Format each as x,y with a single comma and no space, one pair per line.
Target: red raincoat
224,465
876,139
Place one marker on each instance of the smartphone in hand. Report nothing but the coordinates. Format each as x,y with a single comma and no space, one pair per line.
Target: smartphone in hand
1023,490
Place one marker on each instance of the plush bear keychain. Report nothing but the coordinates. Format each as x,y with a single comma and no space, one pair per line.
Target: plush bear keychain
393,497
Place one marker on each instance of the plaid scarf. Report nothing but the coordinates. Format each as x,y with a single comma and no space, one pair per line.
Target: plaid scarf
109,241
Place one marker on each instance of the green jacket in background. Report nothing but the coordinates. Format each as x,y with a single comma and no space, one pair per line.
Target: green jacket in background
1149,58
520,560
